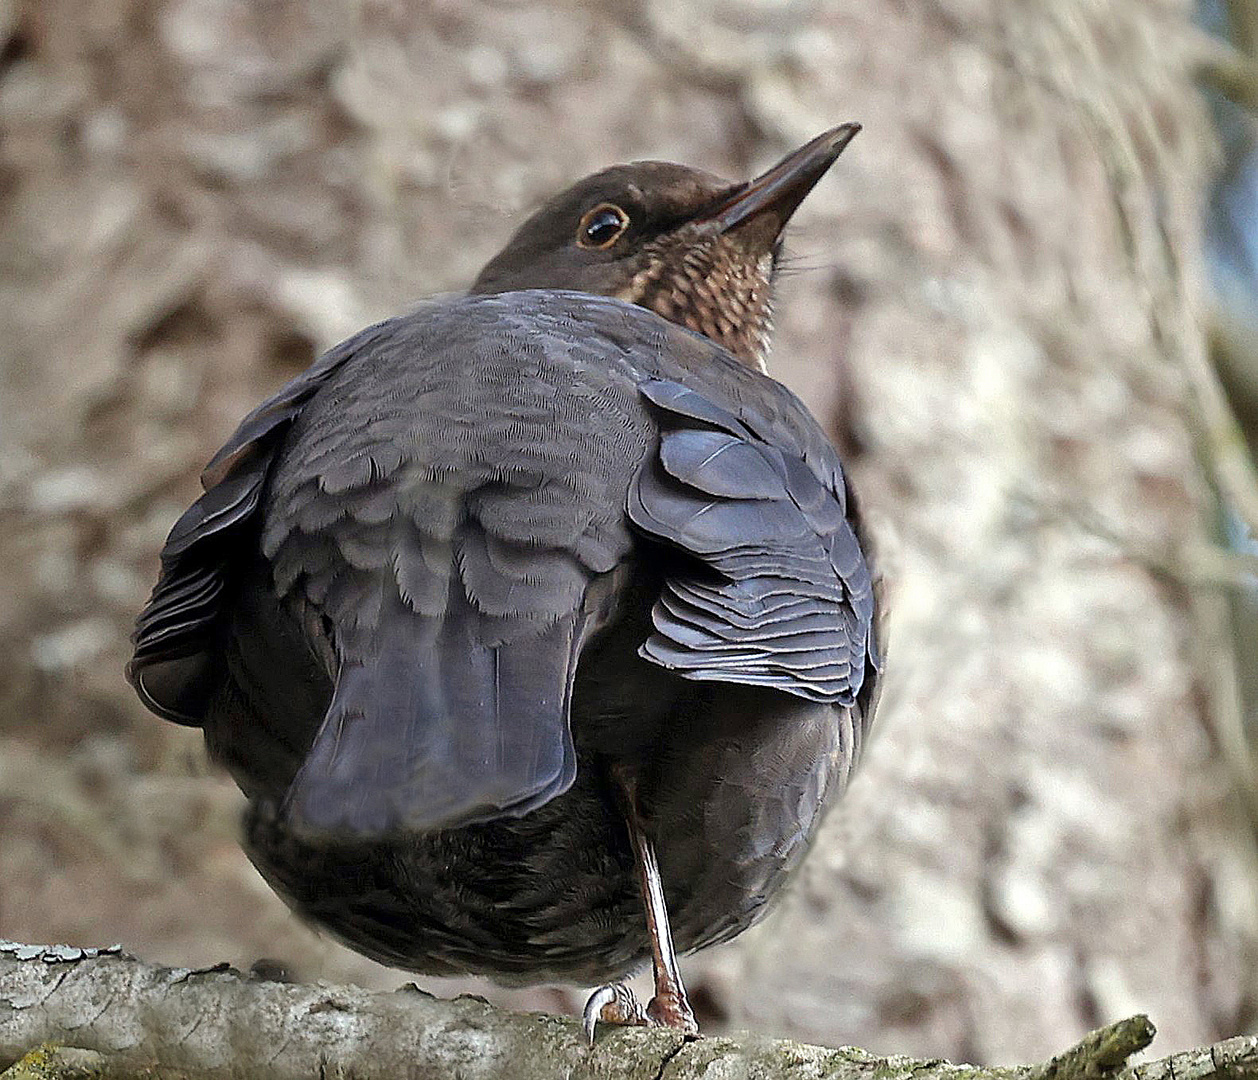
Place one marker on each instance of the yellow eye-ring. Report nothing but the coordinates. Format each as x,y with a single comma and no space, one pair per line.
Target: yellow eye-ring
602,226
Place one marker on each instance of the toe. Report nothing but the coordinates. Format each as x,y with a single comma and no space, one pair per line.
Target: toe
612,1003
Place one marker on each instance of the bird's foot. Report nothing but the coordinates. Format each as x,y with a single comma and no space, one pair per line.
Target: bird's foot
615,1003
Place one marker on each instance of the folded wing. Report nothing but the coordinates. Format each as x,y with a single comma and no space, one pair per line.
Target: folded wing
780,594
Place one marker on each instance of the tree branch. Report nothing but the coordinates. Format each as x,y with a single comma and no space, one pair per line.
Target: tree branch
98,1013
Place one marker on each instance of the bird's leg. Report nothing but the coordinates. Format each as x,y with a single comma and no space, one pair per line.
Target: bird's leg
670,1006
615,1003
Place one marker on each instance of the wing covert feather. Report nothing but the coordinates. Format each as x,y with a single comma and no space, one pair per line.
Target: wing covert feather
781,595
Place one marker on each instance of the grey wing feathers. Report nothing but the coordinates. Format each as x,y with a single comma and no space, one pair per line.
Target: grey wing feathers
175,665
781,595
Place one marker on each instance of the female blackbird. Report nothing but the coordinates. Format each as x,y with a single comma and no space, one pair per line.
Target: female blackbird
521,614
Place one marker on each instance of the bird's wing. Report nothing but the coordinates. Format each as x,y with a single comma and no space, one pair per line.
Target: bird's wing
780,594
175,665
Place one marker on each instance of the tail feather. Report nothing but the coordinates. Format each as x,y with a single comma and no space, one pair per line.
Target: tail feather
430,727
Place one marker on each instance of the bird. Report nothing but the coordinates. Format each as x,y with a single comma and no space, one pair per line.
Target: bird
535,624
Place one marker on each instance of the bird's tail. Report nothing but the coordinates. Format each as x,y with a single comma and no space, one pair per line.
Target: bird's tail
430,727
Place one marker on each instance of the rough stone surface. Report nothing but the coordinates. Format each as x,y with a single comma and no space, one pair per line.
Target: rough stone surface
994,309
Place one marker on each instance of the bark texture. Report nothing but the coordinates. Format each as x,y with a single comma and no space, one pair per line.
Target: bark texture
999,317
107,1016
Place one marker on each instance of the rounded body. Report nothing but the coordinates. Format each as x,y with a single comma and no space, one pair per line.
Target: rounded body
474,564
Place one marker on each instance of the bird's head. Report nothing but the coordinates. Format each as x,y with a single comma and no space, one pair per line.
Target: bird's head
694,248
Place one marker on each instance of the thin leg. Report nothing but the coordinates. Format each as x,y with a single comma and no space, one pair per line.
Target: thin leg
670,1006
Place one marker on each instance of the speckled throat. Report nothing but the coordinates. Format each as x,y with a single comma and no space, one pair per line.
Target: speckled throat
710,284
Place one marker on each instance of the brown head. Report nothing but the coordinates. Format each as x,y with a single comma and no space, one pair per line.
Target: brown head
697,249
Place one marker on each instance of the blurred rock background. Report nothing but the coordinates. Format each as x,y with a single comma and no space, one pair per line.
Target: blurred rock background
997,303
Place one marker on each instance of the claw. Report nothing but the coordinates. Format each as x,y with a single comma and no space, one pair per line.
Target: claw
613,1003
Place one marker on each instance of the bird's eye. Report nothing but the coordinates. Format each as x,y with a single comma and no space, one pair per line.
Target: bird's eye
602,226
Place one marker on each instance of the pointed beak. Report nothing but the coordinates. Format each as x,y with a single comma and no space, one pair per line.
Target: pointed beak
775,195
